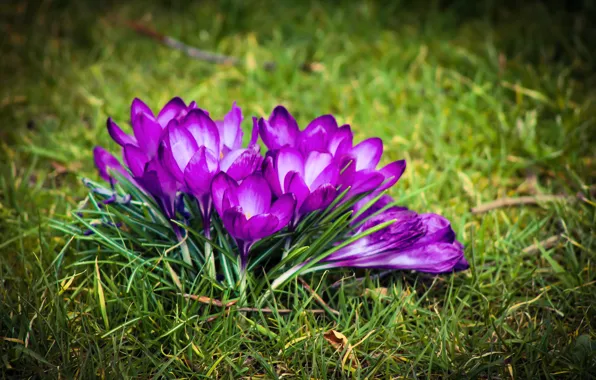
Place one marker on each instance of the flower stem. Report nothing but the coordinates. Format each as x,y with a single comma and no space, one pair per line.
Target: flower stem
243,247
183,247
205,206
209,257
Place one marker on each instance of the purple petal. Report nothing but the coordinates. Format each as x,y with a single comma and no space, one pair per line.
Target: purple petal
433,258
280,130
203,129
294,184
255,132
235,222
462,264
159,183
270,174
283,209
438,230
199,172
360,181
254,195
137,107
230,131
171,110
147,133
315,164
135,158
319,199
368,153
392,173
329,175
118,134
288,159
341,142
181,146
220,184
241,163
260,226
104,161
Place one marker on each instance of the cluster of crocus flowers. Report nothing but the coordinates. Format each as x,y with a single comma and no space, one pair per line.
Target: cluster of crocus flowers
256,194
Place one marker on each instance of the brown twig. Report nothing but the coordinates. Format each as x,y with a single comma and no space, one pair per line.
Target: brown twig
280,311
519,201
190,51
210,301
546,244
317,297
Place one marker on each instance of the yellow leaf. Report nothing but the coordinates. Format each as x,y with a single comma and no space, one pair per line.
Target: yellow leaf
340,342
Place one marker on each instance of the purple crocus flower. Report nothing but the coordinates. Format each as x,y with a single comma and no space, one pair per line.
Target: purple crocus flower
359,168
147,129
193,151
105,162
247,210
424,242
357,163
312,179
153,178
321,135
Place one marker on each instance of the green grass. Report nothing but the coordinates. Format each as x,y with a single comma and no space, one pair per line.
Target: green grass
479,100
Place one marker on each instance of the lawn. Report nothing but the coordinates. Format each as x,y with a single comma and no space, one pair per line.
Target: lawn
484,102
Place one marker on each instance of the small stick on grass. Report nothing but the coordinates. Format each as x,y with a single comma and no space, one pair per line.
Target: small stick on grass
519,201
190,51
280,311
209,301
317,297
549,243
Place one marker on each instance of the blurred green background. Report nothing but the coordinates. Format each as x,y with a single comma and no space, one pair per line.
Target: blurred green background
484,100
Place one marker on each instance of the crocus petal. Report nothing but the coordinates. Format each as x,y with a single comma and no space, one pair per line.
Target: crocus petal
203,129
235,222
260,226
220,184
118,134
137,107
392,173
171,110
320,169
159,183
317,134
147,133
135,158
294,184
319,199
105,161
270,174
368,153
462,264
200,171
438,230
433,258
341,141
181,146
288,159
281,129
360,181
230,131
254,195
241,163
254,136
283,209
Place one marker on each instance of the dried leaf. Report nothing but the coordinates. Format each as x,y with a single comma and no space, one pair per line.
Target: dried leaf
340,342
376,292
